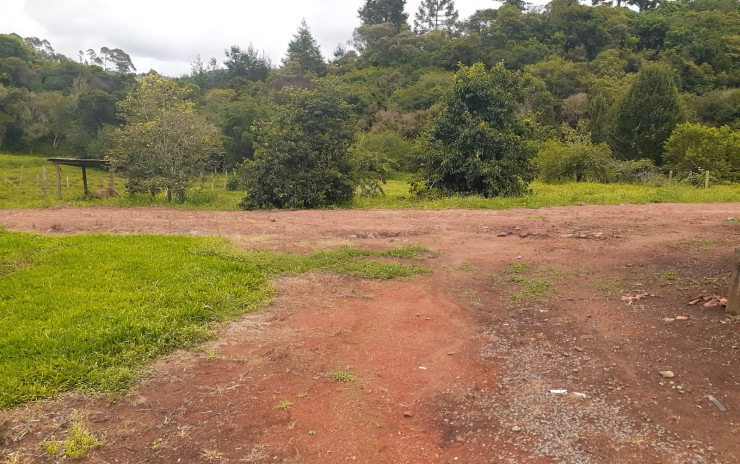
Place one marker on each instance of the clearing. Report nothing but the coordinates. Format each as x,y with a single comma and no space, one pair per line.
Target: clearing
454,366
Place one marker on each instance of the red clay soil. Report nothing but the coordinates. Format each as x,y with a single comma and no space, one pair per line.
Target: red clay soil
456,366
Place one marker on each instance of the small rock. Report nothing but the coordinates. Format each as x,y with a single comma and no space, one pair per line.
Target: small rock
353,236
459,439
598,234
667,374
516,428
578,349
502,234
408,414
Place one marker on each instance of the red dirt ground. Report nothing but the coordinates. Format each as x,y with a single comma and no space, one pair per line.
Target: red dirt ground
450,367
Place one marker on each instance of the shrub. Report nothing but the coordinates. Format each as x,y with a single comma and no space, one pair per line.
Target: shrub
574,159
391,144
475,146
694,148
637,172
303,160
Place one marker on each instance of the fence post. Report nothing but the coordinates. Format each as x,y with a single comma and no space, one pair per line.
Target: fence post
733,297
59,180
706,179
43,181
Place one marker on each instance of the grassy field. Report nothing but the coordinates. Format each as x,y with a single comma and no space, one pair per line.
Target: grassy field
20,188
85,312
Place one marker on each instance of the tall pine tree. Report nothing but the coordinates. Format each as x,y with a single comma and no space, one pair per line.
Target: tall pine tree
435,14
383,11
304,50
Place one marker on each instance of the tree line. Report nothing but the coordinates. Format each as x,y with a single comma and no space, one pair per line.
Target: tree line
479,105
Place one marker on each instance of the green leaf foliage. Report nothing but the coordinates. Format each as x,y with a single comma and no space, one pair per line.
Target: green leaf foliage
475,146
647,115
302,160
694,148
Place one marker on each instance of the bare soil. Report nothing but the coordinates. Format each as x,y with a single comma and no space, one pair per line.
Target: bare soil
452,367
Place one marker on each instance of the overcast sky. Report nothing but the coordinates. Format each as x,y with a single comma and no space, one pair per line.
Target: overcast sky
166,35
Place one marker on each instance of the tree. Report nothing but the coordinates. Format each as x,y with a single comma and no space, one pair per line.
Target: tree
475,146
164,143
304,50
247,64
435,14
647,115
302,158
383,11
693,148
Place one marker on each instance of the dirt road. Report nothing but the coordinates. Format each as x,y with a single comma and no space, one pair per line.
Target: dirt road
457,366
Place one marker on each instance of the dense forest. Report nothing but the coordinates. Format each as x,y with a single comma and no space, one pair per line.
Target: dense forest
479,105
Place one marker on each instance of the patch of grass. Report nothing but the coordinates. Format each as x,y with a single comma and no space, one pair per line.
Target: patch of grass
529,288
670,276
466,266
341,376
517,268
51,447
15,194
86,312
80,441
283,405
529,282
546,195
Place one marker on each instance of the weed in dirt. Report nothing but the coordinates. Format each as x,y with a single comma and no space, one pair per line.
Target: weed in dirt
671,276
283,405
517,268
466,266
342,376
211,454
302,395
528,281
312,432
733,221
51,447
535,217
86,312
80,441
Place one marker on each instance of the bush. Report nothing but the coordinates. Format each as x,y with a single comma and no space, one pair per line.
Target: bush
303,159
475,146
574,159
636,172
400,151
694,148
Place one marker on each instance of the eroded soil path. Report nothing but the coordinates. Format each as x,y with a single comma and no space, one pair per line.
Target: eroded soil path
456,366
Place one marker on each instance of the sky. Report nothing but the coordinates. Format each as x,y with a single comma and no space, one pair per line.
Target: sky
167,35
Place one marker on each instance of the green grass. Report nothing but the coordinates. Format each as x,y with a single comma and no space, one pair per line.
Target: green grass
342,376
15,194
86,312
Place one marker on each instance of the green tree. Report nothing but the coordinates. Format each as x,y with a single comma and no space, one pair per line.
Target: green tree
693,148
435,14
647,115
475,146
302,159
383,11
164,143
304,50
247,64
